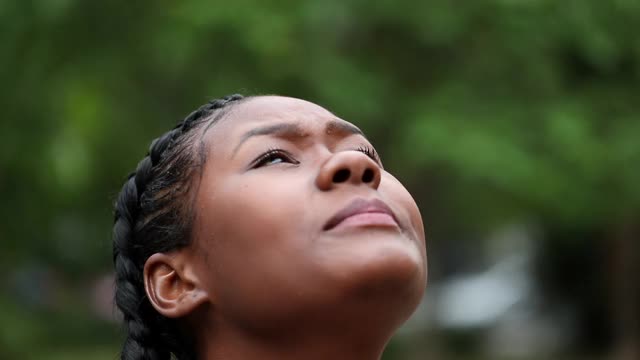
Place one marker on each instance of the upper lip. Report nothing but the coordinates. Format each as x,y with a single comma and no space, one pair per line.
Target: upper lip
359,206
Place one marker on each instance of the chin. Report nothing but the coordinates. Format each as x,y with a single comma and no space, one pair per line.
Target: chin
383,286
390,270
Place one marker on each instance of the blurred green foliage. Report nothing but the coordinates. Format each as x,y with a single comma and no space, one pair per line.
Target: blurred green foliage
489,111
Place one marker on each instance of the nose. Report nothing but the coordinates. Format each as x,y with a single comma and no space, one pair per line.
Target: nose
348,168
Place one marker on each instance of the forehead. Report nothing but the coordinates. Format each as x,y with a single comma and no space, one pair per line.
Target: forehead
266,110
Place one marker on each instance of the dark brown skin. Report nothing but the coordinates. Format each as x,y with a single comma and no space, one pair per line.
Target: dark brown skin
263,278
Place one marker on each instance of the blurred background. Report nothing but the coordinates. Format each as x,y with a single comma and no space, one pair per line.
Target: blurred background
514,123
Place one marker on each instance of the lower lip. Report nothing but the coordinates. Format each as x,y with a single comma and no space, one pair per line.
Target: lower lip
368,220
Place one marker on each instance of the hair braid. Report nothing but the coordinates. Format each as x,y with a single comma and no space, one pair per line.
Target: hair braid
149,218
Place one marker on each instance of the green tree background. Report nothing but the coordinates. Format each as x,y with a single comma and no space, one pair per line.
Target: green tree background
492,113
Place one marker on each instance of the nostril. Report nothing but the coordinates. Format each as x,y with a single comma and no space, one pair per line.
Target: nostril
367,176
341,175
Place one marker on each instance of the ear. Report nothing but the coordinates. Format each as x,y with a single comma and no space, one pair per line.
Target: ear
171,285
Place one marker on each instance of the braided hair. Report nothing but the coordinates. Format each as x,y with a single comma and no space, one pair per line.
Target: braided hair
153,215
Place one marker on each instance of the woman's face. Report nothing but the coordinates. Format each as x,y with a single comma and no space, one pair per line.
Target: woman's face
296,219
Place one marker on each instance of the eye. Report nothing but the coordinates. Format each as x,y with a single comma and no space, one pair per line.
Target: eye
273,157
370,152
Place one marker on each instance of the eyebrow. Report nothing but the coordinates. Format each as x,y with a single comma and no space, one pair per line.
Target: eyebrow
294,130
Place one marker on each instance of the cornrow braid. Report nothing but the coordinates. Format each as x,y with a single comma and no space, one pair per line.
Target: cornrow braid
151,217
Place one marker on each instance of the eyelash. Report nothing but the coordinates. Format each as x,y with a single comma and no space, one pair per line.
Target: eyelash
271,154
275,153
370,152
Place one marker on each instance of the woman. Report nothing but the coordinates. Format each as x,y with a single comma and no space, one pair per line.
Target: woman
265,228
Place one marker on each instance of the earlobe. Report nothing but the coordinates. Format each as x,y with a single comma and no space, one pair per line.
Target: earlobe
171,285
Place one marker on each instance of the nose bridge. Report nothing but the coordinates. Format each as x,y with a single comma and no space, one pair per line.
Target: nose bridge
348,168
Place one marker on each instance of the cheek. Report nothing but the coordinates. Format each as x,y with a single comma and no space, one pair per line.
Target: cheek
396,192
393,189
246,217
264,207
249,228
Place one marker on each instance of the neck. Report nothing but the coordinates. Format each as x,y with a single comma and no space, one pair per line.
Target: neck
358,327
361,341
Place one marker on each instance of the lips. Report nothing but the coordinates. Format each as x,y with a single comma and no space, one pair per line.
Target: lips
363,212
